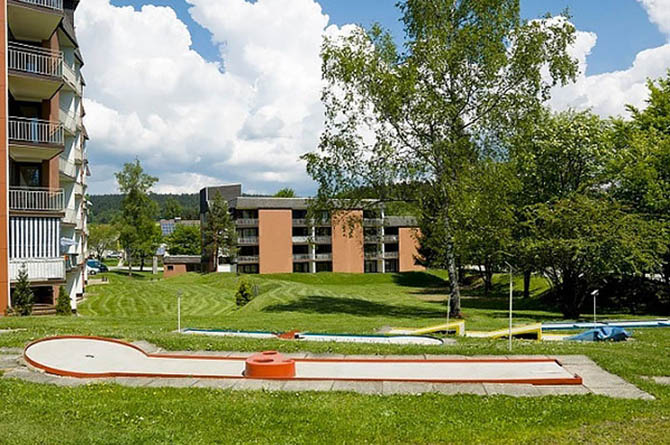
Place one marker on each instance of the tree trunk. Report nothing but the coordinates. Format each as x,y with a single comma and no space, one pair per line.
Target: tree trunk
488,278
455,294
142,264
526,283
130,264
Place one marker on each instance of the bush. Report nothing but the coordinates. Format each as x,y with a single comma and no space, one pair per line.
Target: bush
63,303
244,293
23,297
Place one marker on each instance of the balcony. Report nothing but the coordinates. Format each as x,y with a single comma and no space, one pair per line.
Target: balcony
67,168
34,19
39,269
71,217
324,256
300,222
35,73
302,257
32,199
69,120
373,221
390,238
373,239
300,239
246,222
247,259
247,240
373,255
71,262
72,79
390,255
34,140
323,240
78,190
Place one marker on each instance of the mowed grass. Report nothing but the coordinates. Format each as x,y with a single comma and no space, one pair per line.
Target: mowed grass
141,307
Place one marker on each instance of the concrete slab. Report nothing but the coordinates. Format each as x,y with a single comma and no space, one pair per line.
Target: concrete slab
11,351
321,355
562,390
174,383
254,384
627,391
405,357
302,385
215,383
574,359
662,380
406,388
359,387
133,381
460,388
9,361
493,389
147,347
294,354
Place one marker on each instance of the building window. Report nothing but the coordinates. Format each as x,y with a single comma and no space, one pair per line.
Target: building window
371,267
391,265
324,266
170,267
248,268
301,267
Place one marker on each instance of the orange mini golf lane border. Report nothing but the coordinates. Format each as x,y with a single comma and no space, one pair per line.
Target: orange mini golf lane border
575,380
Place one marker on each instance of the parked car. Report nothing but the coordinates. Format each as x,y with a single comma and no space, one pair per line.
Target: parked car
96,264
115,255
92,270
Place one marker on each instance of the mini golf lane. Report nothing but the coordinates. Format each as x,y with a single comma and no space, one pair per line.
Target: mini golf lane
90,357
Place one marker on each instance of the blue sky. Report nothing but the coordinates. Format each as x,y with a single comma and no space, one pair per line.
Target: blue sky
156,90
622,26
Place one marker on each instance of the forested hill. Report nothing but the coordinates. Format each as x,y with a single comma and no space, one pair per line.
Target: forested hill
186,206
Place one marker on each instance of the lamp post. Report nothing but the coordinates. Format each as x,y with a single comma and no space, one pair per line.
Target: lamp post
179,311
511,295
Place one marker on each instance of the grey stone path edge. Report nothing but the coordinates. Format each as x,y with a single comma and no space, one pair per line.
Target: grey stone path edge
595,380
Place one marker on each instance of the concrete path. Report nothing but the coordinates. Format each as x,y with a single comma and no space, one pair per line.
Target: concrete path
595,379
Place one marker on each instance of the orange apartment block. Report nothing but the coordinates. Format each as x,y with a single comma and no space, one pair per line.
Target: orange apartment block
43,164
275,236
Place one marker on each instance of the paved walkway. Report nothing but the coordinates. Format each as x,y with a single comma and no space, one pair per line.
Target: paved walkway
595,379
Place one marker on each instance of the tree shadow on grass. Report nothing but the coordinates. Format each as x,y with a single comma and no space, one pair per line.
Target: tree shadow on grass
124,273
418,279
318,304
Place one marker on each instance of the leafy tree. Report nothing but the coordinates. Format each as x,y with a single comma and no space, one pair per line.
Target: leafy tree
63,302
471,69
102,237
23,297
555,156
149,243
137,229
172,209
219,232
185,240
244,293
580,241
285,193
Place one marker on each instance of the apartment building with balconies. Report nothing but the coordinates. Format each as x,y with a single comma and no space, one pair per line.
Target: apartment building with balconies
274,235
43,207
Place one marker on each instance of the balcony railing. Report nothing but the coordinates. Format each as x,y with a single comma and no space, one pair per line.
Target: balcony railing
247,240
69,120
323,239
390,255
34,60
324,256
71,216
68,168
39,269
372,255
372,238
390,238
35,131
78,189
300,222
302,257
246,221
72,78
373,221
36,199
50,4
300,239
247,259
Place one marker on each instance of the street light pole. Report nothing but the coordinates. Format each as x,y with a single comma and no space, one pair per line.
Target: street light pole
179,311
511,294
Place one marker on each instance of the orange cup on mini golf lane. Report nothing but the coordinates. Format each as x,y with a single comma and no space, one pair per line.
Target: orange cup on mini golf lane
269,365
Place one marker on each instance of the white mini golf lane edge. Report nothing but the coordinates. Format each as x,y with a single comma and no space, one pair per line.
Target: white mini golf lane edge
91,357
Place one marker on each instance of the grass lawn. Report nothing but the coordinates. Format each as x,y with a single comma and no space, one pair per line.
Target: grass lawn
143,308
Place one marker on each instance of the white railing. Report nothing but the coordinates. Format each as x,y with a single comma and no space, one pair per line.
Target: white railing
78,155
300,239
373,221
247,240
372,238
69,120
324,256
36,131
246,221
78,189
302,257
67,167
323,239
39,269
247,259
33,198
51,4
34,60
299,222
390,255
70,76
390,238
372,255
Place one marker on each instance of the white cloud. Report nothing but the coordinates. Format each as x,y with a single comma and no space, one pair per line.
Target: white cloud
659,13
608,93
150,95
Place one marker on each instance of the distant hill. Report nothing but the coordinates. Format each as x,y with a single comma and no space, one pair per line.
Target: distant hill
106,207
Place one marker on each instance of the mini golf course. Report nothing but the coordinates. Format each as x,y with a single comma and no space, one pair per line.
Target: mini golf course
94,357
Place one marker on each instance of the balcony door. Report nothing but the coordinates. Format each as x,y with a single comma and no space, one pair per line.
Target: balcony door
26,174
